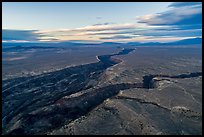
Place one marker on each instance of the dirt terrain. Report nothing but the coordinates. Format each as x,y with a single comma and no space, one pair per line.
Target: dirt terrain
30,61
145,90
174,106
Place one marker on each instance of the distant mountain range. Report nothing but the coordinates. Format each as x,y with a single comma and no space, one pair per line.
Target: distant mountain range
193,41
189,41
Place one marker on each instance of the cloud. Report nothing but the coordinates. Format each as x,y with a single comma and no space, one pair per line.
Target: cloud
9,35
117,37
97,27
106,27
173,32
178,14
92,32
181,20
100,29
93,29
183,4
106,23
21,35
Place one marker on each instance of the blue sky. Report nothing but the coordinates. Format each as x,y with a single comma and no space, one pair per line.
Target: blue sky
101,21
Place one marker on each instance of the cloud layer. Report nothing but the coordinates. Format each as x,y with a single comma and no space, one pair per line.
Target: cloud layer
26,35
181,13
181,20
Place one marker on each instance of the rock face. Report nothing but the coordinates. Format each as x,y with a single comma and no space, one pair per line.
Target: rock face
149,82
23,95
81,100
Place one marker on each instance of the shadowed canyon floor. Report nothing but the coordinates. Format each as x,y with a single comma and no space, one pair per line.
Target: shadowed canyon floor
135,91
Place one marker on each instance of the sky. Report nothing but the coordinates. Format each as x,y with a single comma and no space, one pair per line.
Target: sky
101,21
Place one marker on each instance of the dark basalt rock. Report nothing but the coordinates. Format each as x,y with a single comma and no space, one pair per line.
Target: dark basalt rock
21,96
